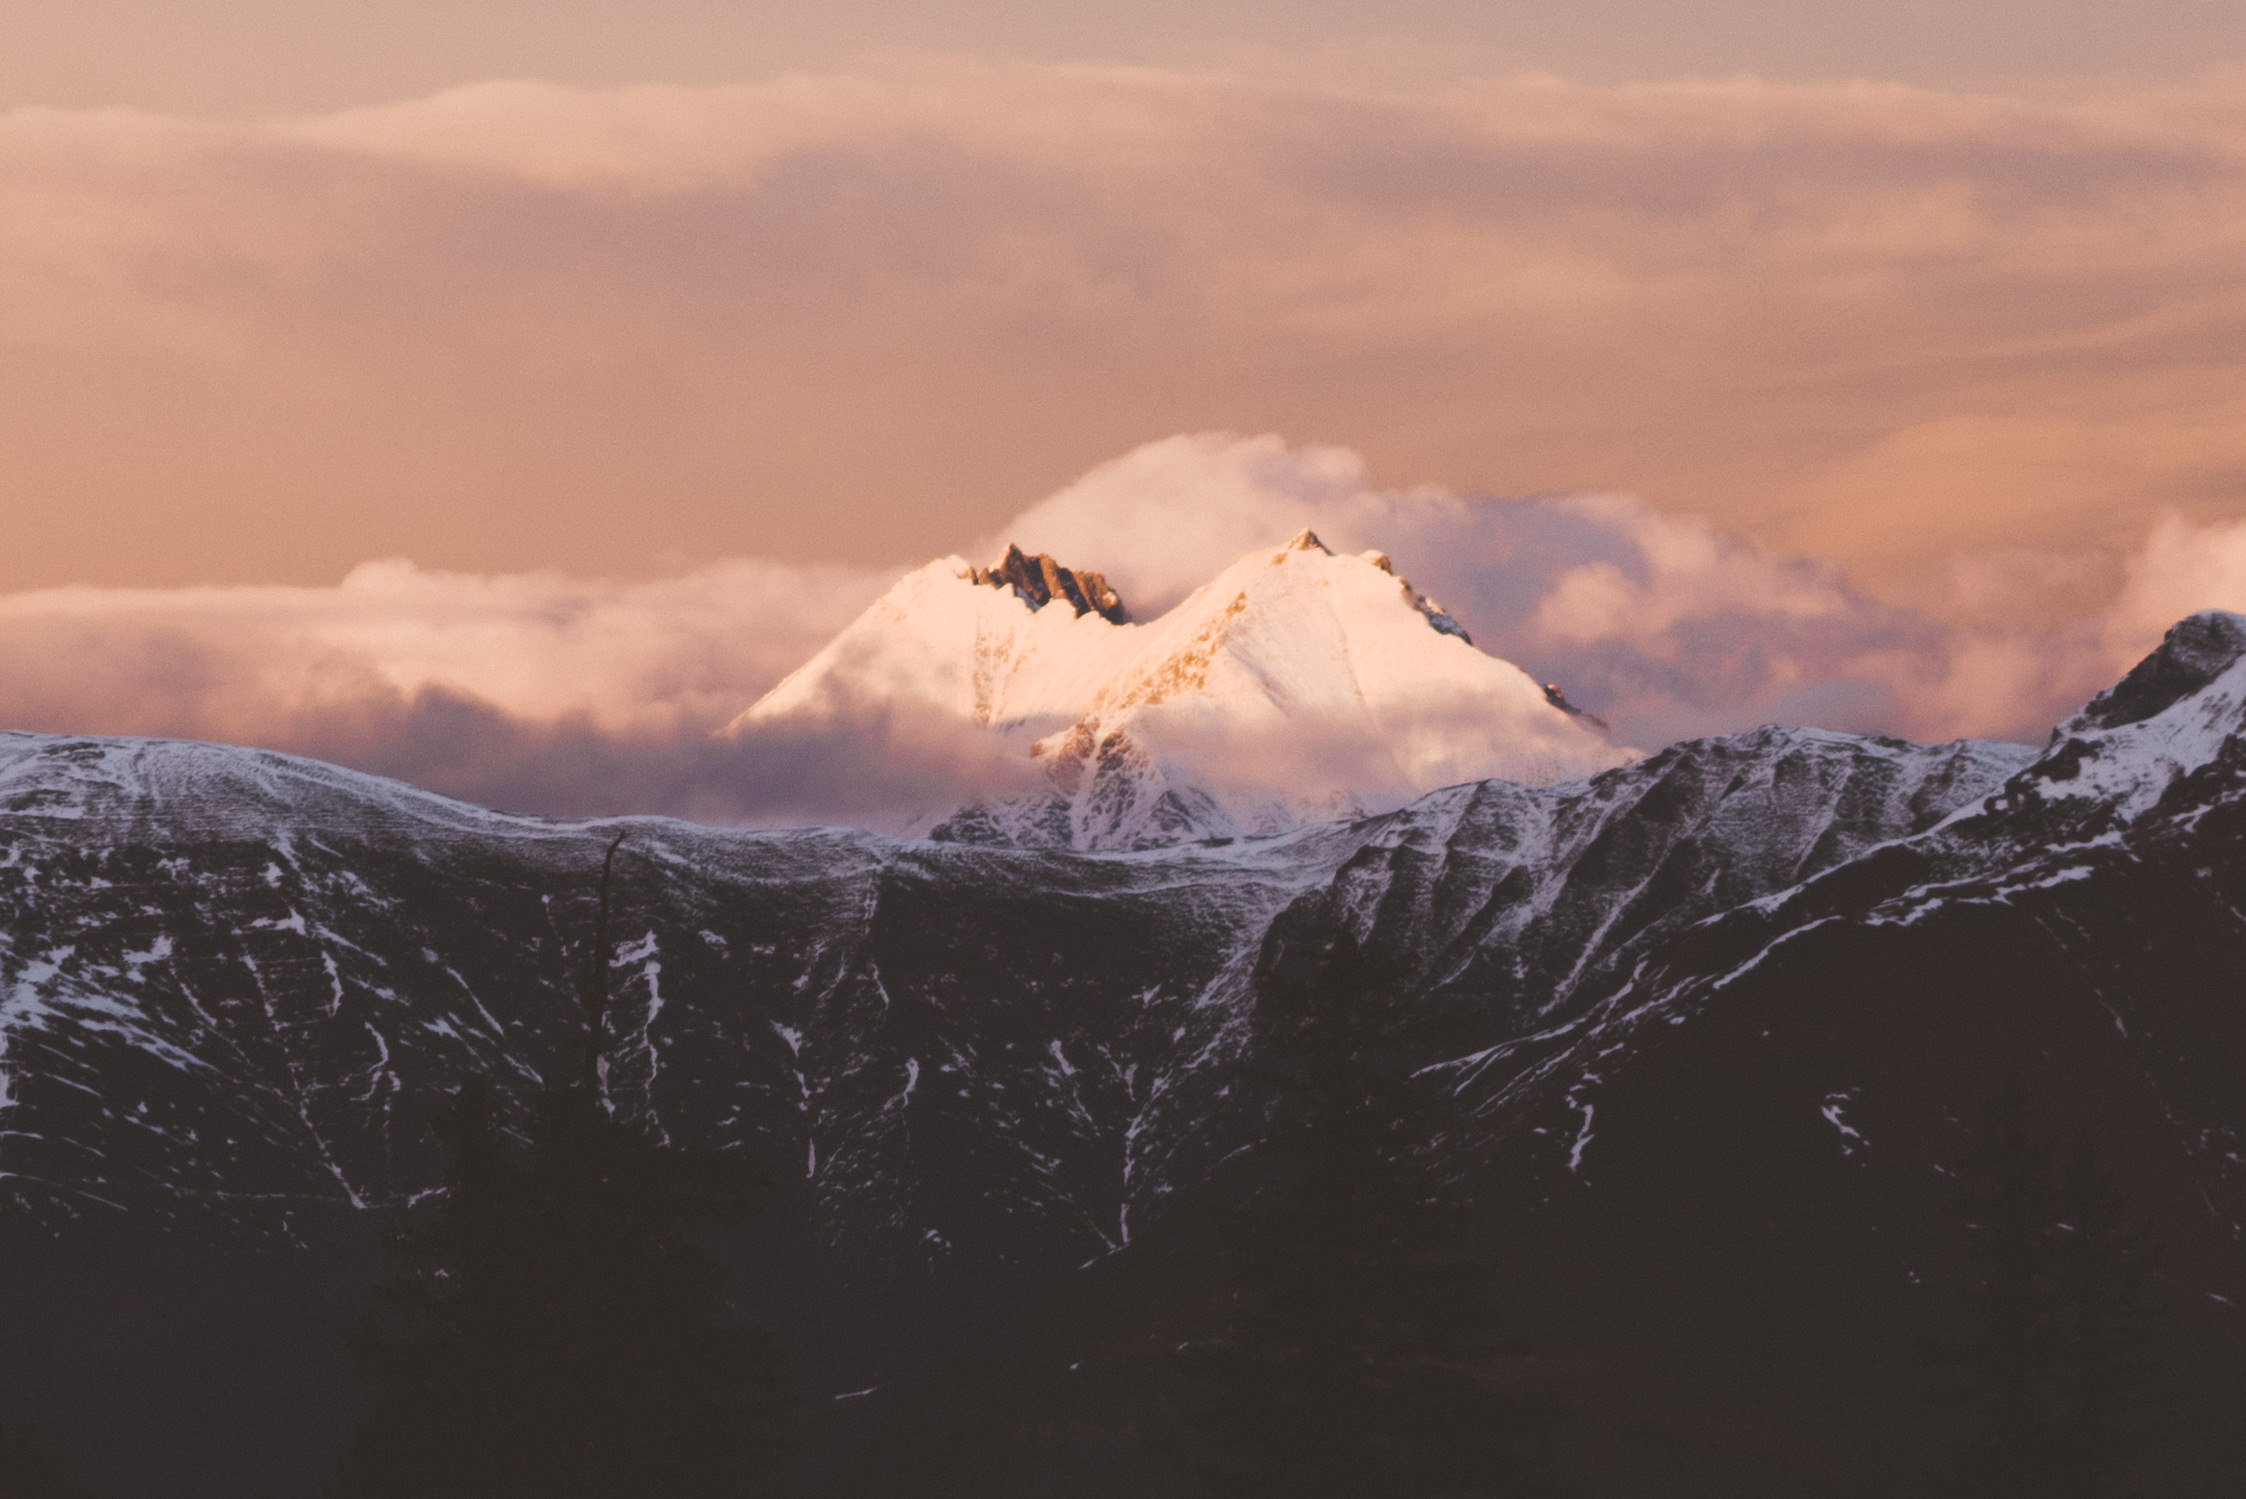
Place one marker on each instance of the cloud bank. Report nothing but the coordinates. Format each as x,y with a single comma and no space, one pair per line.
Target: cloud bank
533,692
1667,626
538,692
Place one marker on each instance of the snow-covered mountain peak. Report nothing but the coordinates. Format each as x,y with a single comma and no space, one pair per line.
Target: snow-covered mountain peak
1299,628
2174,713
2194,652
1298,684
970,643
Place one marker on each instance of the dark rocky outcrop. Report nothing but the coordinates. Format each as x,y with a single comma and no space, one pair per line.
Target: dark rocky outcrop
1040,580
2194,653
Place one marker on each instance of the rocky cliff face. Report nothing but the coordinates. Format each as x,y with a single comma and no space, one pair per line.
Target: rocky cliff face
1039,580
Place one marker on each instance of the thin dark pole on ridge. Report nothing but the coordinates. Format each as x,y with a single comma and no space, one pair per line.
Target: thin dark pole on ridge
596,987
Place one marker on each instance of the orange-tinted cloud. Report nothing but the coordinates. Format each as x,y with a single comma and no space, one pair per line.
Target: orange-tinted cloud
857,317
238,663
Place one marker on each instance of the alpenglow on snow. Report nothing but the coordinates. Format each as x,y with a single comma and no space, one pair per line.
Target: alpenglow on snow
1296,686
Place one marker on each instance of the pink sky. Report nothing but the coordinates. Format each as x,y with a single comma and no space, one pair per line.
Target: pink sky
1962,355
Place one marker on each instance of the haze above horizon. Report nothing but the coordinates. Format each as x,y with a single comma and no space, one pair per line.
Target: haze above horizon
252,58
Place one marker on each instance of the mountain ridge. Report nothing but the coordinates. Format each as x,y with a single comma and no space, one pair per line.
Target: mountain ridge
1722,1018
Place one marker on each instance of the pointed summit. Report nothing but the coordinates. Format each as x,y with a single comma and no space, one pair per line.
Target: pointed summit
1305,540
2177,712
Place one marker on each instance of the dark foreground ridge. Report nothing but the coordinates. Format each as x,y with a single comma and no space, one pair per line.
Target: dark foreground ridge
1691,1052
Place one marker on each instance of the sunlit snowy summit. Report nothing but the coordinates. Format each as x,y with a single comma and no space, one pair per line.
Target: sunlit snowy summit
1296,686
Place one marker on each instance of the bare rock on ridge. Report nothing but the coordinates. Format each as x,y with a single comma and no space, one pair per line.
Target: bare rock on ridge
2194,652
1040,580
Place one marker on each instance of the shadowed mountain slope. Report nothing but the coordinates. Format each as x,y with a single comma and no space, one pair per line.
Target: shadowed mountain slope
1721,1018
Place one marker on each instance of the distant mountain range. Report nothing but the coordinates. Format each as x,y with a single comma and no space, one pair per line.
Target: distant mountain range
1722,1017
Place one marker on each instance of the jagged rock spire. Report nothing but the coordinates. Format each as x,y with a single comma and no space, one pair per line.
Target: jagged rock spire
1040,580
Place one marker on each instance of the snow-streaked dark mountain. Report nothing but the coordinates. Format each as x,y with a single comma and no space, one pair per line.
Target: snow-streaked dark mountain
1728,1012
238,983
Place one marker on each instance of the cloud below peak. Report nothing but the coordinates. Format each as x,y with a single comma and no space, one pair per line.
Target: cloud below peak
542,692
